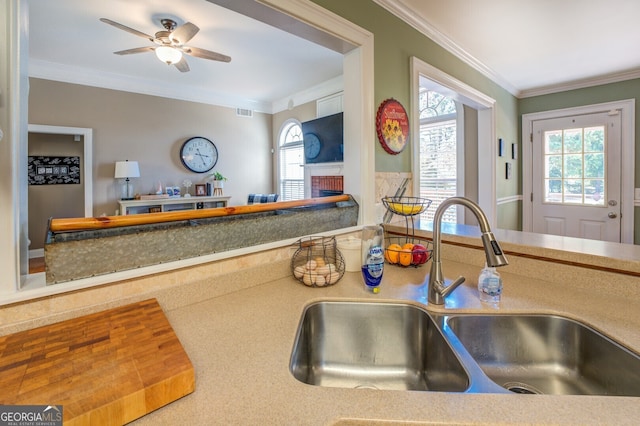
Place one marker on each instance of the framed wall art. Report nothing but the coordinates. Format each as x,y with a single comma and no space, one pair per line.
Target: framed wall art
392,126
43,170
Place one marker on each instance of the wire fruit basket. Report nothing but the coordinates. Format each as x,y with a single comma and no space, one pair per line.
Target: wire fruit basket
317,262
408,251
406,206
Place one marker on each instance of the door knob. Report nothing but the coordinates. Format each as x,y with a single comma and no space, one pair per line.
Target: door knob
613,203
612,215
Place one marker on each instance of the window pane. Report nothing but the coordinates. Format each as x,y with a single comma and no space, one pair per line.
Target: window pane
573,140
553,166
594,165
573,166
594,139
593,190
553,142
553,190
573,191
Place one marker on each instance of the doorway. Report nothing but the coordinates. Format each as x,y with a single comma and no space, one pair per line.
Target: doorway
578,172
59,200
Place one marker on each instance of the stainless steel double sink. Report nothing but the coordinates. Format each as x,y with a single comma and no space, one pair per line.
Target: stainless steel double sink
402,346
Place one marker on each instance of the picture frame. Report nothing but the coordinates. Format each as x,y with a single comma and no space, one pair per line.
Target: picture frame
514,151
507,170
500,147
201,190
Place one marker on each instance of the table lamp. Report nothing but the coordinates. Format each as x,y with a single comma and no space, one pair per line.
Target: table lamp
125,170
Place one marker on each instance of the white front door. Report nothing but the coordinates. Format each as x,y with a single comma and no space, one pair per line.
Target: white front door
576,176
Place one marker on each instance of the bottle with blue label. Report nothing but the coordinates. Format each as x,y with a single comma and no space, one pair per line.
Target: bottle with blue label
372,248
489,285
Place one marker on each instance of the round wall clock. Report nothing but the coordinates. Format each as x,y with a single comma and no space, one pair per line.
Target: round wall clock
392,126
199,154
312,145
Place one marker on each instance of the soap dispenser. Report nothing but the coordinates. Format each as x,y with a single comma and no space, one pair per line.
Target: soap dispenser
489,285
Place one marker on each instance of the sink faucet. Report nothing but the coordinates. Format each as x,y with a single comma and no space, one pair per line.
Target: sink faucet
437,289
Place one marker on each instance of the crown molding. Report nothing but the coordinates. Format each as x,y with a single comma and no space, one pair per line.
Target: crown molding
90,77
581,84
409,16
314,93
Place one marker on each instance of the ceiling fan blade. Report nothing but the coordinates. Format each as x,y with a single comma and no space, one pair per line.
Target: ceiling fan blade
182,65
127,29
184,33
206,54
135,50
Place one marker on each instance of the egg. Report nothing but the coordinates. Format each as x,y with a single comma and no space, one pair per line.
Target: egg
298,271
311,265
332,277
320,261
309,278
323,270
321,281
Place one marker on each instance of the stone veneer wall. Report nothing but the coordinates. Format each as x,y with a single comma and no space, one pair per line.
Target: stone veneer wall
387,183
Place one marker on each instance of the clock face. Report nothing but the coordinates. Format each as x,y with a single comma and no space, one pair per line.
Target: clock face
199,154
311,145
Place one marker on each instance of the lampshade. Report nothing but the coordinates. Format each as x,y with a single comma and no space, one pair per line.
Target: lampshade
168,55
127,169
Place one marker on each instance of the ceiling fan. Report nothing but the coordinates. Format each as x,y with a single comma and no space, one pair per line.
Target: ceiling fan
170,43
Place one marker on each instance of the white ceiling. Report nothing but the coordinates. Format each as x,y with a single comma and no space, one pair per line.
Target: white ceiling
534,46
527,46
67,42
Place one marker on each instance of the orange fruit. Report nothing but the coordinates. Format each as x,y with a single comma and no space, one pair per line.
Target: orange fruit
392,253
407,246
405,257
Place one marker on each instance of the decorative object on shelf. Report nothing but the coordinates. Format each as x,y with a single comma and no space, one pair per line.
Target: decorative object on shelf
127,170
317,262
507,172
199,154
201,190
500,147
514,151
392,126
159,188
407,250
187,184
176,192
218,182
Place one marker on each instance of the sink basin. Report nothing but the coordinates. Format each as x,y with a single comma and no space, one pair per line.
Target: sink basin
374,345
545,354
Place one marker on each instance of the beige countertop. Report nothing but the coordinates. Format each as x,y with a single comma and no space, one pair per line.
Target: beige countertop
240,345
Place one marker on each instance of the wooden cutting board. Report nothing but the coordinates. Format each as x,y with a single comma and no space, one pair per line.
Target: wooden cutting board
107,368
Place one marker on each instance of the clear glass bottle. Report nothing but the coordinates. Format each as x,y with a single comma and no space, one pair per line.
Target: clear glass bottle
372,250
489,285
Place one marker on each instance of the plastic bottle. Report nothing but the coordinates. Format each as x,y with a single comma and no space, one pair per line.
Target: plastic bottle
489,285
372,250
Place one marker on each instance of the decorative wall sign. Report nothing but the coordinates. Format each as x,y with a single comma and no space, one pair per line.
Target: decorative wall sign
392,126
54,170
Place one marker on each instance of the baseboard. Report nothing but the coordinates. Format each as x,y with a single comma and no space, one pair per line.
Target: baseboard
36,253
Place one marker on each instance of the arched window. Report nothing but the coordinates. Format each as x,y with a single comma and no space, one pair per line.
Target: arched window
438,151
291,160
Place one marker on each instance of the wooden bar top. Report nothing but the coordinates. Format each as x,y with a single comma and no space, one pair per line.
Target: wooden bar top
107,368
86,223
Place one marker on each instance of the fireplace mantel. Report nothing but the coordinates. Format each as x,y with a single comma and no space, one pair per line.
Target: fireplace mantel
320,169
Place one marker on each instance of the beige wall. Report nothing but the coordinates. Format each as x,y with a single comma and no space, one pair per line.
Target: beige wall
47,201
151,130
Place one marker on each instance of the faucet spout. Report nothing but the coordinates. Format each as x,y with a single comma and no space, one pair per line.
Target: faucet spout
437,289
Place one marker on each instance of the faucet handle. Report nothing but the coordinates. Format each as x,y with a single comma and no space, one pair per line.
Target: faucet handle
445,290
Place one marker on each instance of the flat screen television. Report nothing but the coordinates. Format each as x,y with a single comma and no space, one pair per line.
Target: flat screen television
323,139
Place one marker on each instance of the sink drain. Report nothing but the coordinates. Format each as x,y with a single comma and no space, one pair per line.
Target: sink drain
522,388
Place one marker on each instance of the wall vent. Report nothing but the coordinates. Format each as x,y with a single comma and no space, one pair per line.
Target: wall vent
243,112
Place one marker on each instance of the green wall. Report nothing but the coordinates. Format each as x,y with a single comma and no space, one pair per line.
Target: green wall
395,43
624,90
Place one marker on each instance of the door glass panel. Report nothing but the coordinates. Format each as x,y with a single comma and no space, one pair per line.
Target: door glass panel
574,162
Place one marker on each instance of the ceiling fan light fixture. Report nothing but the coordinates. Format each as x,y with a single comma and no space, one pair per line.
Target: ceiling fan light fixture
168,55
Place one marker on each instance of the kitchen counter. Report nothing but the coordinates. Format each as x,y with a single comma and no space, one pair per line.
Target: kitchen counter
240,344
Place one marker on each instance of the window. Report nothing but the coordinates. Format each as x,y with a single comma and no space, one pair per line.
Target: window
574,166
291,160
438,152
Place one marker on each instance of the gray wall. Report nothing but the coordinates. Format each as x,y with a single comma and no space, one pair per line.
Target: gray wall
151,130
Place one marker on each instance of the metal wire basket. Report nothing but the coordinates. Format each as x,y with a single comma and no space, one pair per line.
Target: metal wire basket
407,251
406,206
317,262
